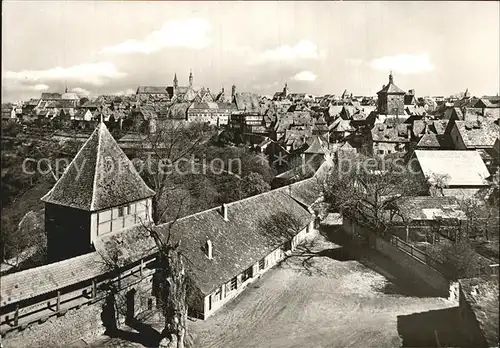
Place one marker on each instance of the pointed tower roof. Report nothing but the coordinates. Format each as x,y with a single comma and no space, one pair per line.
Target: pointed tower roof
391,88
99,177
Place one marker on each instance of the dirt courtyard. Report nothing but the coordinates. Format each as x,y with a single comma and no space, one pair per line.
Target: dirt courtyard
321,296
315,298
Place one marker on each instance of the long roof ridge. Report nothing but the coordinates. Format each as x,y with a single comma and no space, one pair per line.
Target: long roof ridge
69,165
99,142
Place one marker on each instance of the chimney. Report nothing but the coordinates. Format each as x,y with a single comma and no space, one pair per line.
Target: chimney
208,248
224,211
290,190
233,90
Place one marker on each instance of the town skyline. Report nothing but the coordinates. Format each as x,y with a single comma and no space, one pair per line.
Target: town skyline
275,43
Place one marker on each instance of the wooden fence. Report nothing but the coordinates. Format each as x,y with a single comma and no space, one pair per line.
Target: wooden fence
59,302
420,256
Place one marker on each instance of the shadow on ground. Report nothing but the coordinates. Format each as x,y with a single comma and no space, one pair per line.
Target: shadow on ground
400,280
438,328
144,334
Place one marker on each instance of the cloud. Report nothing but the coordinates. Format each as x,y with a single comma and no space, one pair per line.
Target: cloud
404,64
128,91
190,33
18,86
39,87
80,91
302,50
92,73
305,75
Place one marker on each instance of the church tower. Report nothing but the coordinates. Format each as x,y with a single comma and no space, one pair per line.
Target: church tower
285,91
100,192
176,82
190,78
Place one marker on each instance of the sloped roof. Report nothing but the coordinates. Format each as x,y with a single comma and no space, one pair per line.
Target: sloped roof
392,133
316,146
47,278
429,208
99,177
478,134
247,101
434,141
152,90
482,297
237,243
463,168
341,125
50,96
178,111
438,126
391,88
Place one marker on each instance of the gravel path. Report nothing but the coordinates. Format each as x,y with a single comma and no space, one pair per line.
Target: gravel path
323,302
319,297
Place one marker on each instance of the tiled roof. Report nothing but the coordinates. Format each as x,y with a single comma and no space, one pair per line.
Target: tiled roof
44,279
391,132
49,96
434,141
152,90
99,177
429,208
478,134
316,147
463,168
391,88
237,243
247,101
482,297
438,126
178,111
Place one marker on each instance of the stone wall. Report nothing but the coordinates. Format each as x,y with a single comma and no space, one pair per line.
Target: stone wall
59,331
430,276
470,324
89,320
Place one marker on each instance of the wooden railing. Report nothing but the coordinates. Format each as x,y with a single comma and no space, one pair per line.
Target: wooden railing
420,256
57,303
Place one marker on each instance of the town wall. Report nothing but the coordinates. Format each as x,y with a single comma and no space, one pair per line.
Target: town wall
85,321
431,277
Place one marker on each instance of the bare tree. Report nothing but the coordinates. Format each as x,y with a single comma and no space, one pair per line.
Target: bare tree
365,187
164,151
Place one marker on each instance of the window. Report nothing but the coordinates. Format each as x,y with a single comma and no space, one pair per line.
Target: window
262,264
217,295
247,274
120,211
234,283
380,152
150,303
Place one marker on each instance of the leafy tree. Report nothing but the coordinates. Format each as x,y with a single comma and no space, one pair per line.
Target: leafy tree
253,184
460,258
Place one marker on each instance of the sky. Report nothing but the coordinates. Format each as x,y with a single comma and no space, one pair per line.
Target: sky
435,48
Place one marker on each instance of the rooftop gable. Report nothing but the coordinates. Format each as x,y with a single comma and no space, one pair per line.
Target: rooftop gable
462,168
99,177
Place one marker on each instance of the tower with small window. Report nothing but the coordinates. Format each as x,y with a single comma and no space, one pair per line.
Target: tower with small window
100,192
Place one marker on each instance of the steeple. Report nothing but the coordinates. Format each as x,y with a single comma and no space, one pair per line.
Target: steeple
190,78
391,79
176,82
66,89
